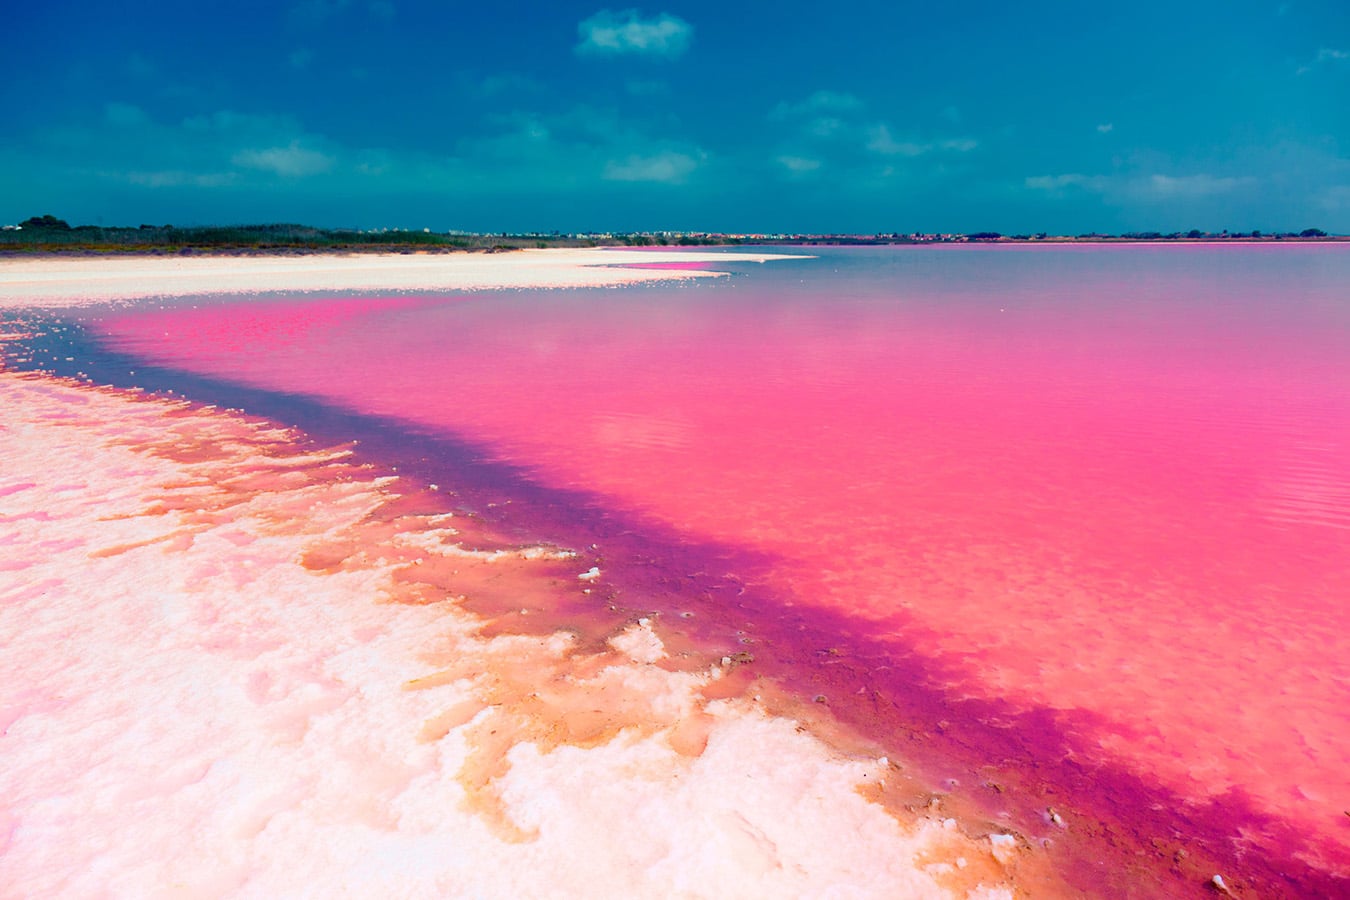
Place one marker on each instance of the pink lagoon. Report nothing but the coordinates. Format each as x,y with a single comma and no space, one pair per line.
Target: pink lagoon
1056,539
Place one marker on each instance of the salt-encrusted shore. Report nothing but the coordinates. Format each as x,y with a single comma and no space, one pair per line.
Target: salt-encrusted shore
234,664
55,281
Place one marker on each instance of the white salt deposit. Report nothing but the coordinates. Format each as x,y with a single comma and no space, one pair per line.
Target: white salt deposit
214,684
639,643
1003,846
62,282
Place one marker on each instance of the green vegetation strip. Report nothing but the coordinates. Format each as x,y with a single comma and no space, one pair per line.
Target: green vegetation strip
44,234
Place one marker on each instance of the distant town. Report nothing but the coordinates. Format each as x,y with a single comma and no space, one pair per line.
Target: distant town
47,233
674,237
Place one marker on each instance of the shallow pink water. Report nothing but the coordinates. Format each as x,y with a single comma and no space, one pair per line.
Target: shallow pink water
1110,483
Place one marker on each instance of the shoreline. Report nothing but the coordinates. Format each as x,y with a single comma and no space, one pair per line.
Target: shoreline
242,661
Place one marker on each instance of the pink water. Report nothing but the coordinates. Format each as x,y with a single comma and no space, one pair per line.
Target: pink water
1072,524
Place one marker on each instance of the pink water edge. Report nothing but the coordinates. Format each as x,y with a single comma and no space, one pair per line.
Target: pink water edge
1127,521
231,669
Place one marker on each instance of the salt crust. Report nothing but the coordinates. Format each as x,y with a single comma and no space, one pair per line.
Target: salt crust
62,282
189,710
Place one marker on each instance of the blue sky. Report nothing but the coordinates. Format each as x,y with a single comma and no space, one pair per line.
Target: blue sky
1060,117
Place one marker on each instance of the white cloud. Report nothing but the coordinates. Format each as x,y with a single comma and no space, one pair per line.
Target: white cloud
799,165
669,167
574,146
179,178
1058,182
879,140
1324,56
1106,128
610,33
835,125
292,161
1172,187
824,126
234,123
835,136
828,103
1153,188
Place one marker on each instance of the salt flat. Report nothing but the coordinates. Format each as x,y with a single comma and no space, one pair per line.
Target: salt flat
54,281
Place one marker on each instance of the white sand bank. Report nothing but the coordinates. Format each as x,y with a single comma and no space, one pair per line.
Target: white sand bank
60,281
214,681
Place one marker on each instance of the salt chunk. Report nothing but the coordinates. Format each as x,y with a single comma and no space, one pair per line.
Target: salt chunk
639,643
1004,847
590,575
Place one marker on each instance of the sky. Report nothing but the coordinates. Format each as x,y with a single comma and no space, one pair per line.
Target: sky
1064,117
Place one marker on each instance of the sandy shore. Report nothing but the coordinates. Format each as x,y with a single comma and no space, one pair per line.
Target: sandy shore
54,282
235,664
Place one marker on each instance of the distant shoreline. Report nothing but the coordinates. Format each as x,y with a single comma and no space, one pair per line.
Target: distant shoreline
153,252
50,236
